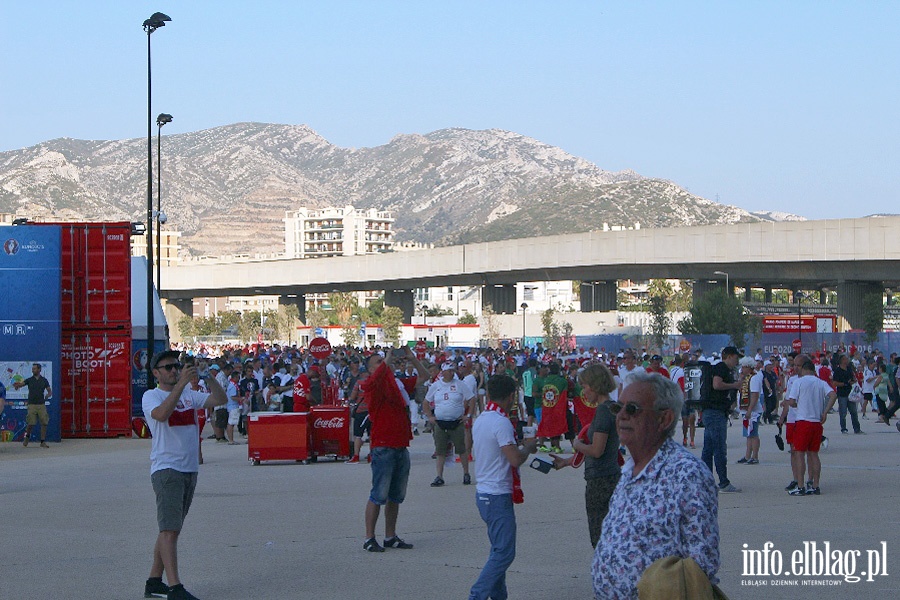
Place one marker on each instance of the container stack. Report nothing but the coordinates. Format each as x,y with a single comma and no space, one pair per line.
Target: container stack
95,399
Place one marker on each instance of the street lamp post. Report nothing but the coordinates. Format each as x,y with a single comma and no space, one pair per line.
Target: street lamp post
155,21
161,120
523,306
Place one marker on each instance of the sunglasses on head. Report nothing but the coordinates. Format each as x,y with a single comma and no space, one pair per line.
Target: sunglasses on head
171,366
630,408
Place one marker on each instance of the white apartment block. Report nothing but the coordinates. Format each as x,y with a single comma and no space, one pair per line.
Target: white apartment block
333,231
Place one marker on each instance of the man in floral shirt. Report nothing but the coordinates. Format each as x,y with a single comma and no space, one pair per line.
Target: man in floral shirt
665,503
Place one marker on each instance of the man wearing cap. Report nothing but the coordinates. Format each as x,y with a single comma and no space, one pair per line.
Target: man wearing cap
453,402
716,408
751,405
656,366
171,413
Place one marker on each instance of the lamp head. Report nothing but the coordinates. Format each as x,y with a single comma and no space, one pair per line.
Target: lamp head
156,21
163,118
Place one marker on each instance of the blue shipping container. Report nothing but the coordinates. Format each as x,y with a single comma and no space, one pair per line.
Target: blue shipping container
30,330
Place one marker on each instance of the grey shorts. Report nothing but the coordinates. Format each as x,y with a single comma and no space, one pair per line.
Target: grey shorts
457,436
174,493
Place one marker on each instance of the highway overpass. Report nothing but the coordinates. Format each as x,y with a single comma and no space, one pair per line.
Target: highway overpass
853,256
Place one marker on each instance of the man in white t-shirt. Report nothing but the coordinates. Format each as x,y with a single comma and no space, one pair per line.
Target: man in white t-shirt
171,413
628,368
808,396
789,414
497,489
454,403
751,407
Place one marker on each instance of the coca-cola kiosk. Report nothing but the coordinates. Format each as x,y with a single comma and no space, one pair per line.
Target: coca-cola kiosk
330,432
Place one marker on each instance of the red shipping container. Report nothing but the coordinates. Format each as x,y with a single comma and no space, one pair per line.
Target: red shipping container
96,384
277,436
96,275
330,431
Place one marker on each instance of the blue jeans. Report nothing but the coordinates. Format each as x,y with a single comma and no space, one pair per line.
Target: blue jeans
843,405
390,474
715,446
497,512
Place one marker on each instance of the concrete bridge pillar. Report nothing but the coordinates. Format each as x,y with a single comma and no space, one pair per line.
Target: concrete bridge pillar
701,288
823,296
176,309
599,295
405,300
850,297
748,294
502,298
298,300
768,292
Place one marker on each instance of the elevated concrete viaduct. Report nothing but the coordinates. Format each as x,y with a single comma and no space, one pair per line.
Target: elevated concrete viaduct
853,256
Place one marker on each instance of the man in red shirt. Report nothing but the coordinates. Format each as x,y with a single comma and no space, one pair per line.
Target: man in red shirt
656,366
389,441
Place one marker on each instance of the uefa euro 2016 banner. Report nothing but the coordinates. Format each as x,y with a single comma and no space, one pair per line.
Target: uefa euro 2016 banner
30,328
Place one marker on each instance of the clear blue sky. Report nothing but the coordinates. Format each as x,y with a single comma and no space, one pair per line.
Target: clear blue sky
791,106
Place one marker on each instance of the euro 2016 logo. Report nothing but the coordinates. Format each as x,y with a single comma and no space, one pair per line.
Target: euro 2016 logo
11,246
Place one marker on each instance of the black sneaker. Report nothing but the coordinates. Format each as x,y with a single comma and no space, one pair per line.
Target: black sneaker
371,545
155,588
798,491
438,482
467,479
177,592
813,491
791,486
396,542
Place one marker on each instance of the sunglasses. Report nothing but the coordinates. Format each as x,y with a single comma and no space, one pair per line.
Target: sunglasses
171,366
630,409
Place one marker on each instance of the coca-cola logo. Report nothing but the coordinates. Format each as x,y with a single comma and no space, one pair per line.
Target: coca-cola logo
320,348
332,423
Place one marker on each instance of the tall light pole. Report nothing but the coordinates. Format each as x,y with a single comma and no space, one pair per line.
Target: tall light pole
727,287
161,120
523,306
155,21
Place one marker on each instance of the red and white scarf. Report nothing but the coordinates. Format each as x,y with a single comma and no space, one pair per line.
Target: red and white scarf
518,495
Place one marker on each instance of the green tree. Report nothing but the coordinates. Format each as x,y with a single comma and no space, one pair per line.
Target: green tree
344,305
187,327
467,319
250,325
660,321
350,335
316,318
873,316
391,320
718,312
682,298
551,329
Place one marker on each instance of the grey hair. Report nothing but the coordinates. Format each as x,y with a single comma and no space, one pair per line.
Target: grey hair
666,395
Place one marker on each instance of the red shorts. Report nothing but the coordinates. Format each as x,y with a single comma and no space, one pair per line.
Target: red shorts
789,433
807,436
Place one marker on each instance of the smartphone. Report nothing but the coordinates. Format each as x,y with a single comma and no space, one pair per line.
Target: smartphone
398,353
541,465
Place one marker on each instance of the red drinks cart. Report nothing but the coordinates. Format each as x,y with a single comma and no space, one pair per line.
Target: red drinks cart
278,436
330,427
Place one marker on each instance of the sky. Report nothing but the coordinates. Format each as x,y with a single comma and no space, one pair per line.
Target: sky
783,106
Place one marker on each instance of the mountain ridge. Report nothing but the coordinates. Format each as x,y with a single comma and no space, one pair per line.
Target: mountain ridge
227,188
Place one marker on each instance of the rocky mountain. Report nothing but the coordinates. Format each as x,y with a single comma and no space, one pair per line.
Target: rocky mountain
227,188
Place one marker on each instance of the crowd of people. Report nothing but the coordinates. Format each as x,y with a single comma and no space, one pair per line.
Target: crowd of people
618,412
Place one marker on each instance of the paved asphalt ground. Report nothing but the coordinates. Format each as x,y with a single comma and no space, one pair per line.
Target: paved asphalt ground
78,521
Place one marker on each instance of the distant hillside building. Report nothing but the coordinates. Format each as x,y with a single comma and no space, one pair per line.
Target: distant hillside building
322,232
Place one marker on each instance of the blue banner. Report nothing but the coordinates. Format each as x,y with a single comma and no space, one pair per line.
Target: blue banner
30,329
